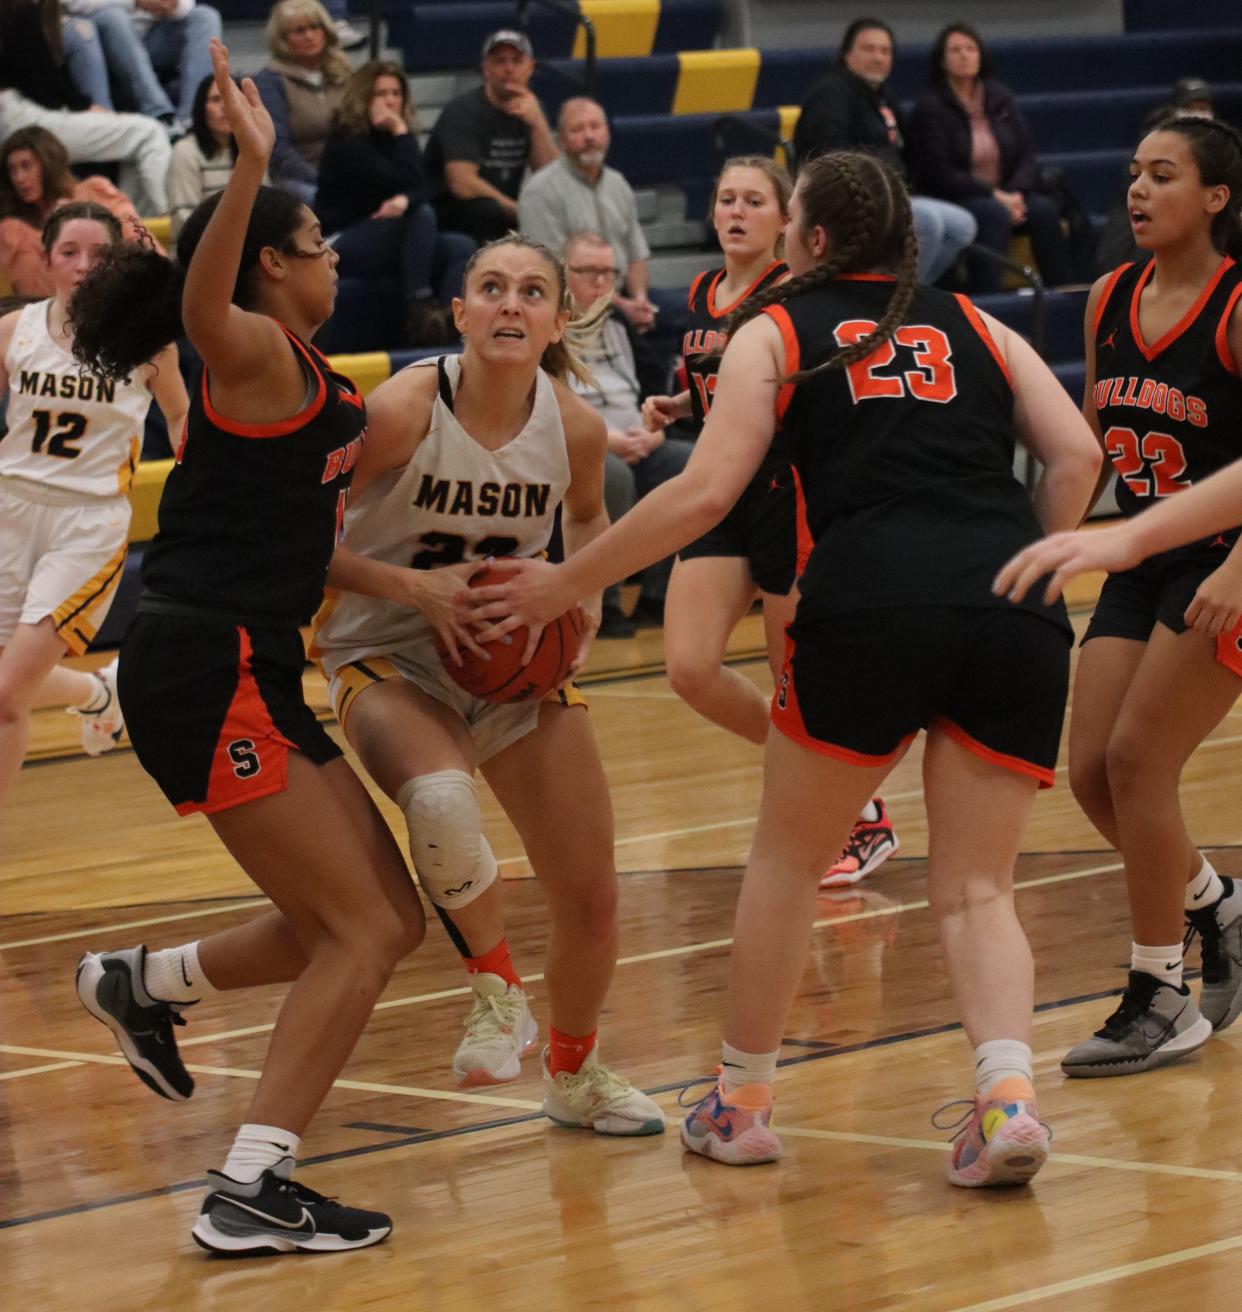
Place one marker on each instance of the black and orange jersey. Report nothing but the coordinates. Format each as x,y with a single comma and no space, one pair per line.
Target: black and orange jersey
704,341
1170,412
251,512
904,459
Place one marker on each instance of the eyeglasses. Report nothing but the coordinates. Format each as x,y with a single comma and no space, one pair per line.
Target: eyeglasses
594,271
303,28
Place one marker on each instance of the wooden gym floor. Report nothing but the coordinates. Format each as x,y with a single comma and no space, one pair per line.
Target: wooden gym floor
1140,1206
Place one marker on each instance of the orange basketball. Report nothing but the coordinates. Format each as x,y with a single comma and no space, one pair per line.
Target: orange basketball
504,678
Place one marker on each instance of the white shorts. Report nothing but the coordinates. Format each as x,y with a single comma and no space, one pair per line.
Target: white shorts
493,725
60,555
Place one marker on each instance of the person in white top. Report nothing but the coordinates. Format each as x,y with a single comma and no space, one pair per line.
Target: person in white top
66,463
467,459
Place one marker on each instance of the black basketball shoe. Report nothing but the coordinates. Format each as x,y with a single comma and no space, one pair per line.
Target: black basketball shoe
275,1215
110,986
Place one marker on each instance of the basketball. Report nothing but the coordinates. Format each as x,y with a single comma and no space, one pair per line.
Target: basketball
504,678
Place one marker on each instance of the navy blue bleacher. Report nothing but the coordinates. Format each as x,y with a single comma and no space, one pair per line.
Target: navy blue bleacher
1159,15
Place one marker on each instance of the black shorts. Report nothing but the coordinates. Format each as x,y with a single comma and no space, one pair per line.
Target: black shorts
859,686
1160,589
763,529
214,709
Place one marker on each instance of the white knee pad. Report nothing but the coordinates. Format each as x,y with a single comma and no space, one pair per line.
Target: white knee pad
454,861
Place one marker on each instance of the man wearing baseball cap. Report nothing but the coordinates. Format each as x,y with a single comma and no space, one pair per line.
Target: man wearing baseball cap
484,141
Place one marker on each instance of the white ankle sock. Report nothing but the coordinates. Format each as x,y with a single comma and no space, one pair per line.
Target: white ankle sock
260,1148
998,1059
174,975
871,812
1164,963
1205,888
738,1068
99,698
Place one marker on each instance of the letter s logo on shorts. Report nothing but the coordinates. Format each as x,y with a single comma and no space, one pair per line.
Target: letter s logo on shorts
245,758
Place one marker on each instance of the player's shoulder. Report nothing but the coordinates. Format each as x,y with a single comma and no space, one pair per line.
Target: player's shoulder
581,422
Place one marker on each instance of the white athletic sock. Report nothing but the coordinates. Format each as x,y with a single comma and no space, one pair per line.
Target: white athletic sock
1205,888
260,1148
738,1068
99,699
998,1059
1164,963
871,812
174,975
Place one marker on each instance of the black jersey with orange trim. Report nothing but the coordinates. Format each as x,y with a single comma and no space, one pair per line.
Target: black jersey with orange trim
703,340
905,459
1171,411
251,512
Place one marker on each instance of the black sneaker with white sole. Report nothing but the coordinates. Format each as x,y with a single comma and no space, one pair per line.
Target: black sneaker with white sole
275,1215
110,986
1220,930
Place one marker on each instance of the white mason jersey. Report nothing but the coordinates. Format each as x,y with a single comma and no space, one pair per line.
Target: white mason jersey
67,428
455,501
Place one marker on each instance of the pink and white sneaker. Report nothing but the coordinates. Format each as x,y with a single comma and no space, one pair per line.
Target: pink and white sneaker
733,1127
870,844
1002,1140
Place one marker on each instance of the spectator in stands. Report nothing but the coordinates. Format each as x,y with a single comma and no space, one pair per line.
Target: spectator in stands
350,37
133,41
301,87
202,161
849,109
36,92
484,141
373,196
971,146
579,191
626,372
35,179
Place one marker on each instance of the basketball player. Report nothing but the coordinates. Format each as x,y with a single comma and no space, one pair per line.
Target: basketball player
899,404
211,681
448,442
66,464
1161,658
756,547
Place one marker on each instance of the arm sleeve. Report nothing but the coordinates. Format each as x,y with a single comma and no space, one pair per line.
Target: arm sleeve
457,130
824,122
539,217
287,161
931,155
635,240
1023,171
184,182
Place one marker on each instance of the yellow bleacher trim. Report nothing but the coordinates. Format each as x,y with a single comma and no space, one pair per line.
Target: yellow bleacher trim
6,287
367,370
144,497
160,227
622,27
789,115
715,81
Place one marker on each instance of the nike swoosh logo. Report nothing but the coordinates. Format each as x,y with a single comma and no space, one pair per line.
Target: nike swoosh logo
305,1222
188,983
1198,897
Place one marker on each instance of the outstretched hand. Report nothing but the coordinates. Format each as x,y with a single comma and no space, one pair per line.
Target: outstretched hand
1064,556
533,596
249,121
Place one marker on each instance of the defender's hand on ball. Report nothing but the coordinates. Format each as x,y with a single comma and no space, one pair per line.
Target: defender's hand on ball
532,596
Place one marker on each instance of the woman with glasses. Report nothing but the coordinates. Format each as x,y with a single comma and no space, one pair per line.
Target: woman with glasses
302,87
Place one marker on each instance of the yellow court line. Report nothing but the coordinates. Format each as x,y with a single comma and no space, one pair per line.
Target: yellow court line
240,1073
1106,1277
660,954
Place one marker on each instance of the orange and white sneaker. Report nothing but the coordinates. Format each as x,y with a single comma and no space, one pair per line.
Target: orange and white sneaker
499,1030
595,1098
1001,1140
102,728
733,1127
871,843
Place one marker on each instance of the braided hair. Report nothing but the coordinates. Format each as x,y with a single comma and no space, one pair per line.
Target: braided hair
862,205
1216,148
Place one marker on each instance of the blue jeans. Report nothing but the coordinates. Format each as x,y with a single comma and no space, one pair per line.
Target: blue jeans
410,249
1048,241
108,46
944,231
179,45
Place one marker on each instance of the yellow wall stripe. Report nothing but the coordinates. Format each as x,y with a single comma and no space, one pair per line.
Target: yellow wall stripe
715,81
789,115
623,28
367,370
